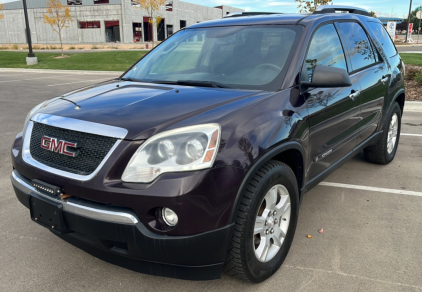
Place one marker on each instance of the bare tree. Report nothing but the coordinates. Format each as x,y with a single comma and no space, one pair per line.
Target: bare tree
58,17
1,8
152,7
309,6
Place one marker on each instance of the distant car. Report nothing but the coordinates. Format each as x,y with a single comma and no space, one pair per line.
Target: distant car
74,2
197,158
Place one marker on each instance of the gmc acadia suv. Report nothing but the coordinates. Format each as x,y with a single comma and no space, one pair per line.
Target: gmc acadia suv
196,159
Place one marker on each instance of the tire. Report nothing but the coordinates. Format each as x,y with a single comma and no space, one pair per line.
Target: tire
382,152
242,260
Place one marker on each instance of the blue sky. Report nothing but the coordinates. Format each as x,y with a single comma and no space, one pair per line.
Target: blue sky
395,8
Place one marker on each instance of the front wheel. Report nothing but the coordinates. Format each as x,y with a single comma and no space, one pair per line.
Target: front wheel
385,149
265,223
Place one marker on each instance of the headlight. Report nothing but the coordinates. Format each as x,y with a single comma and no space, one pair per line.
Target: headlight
183,149
30,114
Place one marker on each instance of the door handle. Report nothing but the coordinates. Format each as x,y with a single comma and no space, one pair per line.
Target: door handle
354,94
384,80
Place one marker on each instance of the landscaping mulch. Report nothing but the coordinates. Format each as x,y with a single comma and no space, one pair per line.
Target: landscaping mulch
413,89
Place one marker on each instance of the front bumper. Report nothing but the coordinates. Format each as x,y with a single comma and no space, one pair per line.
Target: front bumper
116,235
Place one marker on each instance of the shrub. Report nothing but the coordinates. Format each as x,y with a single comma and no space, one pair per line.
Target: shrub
418,78
94,47
411,73
72,48
53,48
15,47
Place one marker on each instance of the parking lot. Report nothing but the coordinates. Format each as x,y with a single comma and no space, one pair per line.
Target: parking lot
371,216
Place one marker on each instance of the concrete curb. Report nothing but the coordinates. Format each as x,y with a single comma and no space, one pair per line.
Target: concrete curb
409,46
413,106
76,72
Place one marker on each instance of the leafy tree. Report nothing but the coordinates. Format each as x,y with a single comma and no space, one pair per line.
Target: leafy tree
309,6
152,7
1,7
373,14
58,17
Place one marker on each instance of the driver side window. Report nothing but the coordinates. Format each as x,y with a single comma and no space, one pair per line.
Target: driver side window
325,49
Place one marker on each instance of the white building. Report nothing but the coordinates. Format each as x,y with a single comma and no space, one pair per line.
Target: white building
101,21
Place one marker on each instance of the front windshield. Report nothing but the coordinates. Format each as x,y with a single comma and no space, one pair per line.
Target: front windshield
247,57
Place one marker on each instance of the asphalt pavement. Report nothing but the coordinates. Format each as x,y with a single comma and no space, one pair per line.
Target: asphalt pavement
371,216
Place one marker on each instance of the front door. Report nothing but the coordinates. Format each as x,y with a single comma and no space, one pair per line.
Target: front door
333,112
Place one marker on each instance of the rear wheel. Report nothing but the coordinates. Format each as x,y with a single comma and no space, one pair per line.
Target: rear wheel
265,223
385,149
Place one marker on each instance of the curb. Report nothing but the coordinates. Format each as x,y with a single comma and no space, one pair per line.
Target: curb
413,106
409,46
76,72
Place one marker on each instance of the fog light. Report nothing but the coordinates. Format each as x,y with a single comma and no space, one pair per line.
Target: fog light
170,217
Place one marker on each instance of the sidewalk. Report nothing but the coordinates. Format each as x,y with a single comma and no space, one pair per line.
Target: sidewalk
76,72
413,106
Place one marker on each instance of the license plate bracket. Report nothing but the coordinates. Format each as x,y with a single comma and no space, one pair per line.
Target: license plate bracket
47,213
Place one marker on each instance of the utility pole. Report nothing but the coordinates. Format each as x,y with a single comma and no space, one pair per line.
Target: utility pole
31,59
408,21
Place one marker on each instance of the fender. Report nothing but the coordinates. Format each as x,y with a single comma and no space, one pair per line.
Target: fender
387,110
291,145
398,93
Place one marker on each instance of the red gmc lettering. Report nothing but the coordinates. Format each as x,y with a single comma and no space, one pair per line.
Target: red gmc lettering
59,146
56,147
66,151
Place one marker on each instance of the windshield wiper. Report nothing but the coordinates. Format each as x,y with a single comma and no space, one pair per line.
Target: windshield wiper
202,83
130,79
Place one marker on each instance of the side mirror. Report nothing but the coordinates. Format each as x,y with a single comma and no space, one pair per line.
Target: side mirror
326,76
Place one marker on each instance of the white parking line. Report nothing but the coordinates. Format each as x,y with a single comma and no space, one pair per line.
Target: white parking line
78,82
415,135
35,78
365,188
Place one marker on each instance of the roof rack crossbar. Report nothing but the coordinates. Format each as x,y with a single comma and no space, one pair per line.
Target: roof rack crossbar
240,13
334,8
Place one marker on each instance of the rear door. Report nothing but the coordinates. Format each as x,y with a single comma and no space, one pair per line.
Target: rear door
333,112
372,73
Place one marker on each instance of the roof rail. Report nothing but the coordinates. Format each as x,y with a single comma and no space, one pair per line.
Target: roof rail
240,13
334,8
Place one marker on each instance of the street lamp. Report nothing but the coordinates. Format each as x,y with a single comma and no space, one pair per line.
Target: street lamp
31,59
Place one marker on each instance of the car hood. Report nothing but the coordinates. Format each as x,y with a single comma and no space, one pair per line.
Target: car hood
142,108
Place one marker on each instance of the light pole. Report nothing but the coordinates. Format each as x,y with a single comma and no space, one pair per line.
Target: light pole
31,59
408,21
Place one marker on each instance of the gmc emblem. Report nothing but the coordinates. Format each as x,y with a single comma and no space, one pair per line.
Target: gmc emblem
59,146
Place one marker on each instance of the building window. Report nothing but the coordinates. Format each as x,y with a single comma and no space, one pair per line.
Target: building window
169,5
101,1
89,24
112,31
182,24
169,30
74,2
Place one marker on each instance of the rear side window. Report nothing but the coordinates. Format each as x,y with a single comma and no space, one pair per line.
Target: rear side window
384,38
325,49
358,45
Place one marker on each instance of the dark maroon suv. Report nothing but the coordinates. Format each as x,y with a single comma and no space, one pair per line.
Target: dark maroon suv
196,159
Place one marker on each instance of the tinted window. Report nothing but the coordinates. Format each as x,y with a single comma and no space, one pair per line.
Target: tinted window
360,49
383,38
237,56
325,49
